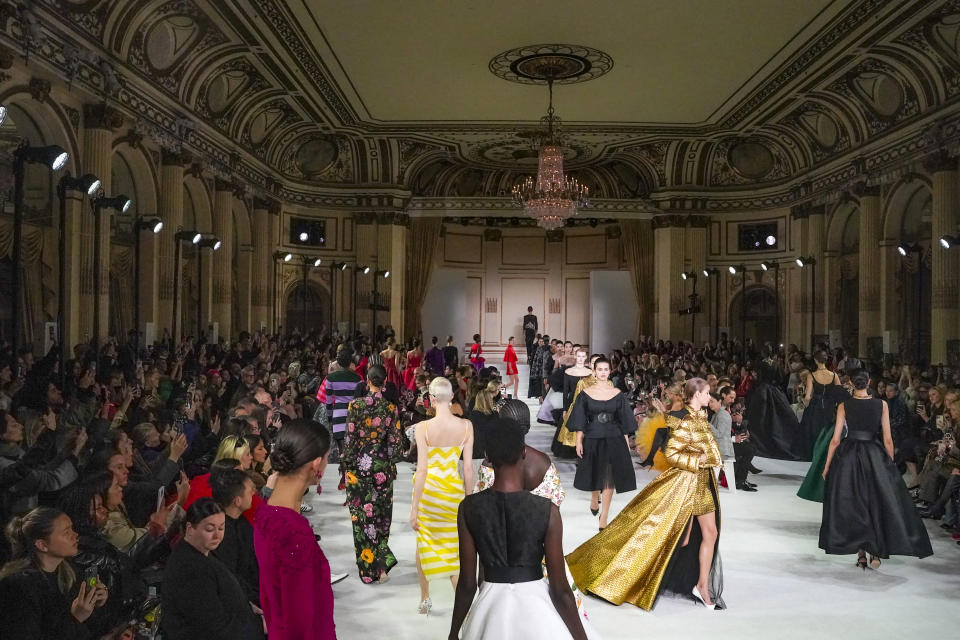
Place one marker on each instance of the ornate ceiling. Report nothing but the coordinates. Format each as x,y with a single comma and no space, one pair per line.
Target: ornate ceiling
722,105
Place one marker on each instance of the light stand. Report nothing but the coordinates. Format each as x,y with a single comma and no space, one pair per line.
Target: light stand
155,224
193,237
118,203
89,184
694,308
278,257
905,250
307,262
742,269
376,297
715,290
766,266
356,285
207,242
812,263
54,157
334,267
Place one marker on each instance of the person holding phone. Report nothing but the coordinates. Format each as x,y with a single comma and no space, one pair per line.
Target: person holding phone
42,597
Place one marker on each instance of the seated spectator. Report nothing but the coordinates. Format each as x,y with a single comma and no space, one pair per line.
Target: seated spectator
201,597
31,473
41,595
119,572
233,491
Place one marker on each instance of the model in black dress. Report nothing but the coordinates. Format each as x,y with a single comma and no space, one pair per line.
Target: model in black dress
603,427
866,507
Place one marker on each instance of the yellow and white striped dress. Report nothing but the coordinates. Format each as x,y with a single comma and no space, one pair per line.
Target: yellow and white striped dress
437,541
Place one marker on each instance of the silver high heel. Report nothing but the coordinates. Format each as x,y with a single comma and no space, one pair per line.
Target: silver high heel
696,594
425,606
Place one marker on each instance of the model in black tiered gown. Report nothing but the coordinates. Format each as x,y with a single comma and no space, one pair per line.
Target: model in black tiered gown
866,506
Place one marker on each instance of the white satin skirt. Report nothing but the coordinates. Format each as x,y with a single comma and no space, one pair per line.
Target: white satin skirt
520,611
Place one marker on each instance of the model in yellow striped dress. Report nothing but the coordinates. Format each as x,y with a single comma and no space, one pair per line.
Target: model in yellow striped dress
438,490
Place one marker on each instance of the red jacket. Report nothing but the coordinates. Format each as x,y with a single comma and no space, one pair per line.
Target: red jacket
200,488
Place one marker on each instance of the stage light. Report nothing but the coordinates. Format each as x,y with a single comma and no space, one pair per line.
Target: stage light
799,262
153,223
53,156
304,236
764,266
120,203
3,114
948,242
771,240
732,270
684,275
317,262
903,250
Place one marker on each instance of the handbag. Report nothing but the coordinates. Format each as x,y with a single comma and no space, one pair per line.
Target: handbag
321,416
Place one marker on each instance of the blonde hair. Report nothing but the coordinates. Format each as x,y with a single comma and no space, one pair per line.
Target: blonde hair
232,447
441,390
694,386
484,400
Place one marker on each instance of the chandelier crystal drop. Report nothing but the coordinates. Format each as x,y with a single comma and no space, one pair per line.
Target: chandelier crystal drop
552,198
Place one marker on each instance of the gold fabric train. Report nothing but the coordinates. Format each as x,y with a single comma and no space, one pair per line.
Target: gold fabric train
626,562
566,437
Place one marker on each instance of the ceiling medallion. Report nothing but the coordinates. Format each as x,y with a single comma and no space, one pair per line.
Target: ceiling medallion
553,197
565,63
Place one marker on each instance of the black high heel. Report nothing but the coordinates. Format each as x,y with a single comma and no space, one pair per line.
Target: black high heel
594,511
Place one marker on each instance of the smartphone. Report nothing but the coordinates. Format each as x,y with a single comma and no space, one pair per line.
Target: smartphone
91,577
161,493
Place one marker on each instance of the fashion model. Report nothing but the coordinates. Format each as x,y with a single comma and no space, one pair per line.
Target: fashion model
666,539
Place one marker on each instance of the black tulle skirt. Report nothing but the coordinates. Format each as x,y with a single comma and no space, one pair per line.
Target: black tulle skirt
773,425
866,505
606,463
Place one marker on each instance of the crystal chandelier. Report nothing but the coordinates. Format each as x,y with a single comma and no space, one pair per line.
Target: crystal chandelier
553,197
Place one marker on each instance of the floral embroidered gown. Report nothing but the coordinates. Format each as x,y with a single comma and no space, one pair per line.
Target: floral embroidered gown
373,448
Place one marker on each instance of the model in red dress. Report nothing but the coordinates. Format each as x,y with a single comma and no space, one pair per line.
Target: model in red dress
476,359
510,357
389,357
414,358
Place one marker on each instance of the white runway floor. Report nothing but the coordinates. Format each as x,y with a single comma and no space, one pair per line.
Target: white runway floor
778,584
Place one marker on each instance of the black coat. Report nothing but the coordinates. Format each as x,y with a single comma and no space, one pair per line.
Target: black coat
236,554
34,607
202,599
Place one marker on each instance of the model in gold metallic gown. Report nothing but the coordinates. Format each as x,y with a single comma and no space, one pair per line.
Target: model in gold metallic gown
654,544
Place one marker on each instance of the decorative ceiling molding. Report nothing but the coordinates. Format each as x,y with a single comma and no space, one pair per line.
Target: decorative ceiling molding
857,101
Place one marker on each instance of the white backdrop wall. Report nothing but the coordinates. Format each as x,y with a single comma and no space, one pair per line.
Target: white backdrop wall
445,307
613,310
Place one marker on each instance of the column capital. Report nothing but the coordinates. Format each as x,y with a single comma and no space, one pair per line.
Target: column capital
394,218
864,190
365,217
100,116
940,161
492,235
555,235
219,184
667,221
180,158
699,222
267,204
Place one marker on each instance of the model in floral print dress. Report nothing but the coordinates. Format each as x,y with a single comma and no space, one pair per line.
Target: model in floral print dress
373,448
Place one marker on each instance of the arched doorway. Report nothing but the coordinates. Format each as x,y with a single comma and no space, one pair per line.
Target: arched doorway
916,279
317,308
760,314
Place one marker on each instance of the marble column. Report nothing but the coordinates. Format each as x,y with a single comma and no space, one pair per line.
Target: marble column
262,265
814,247
221,310
366,249
695,259
668,238
77,208
171,211
244,288
393,239
868,304
99,124
944,263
